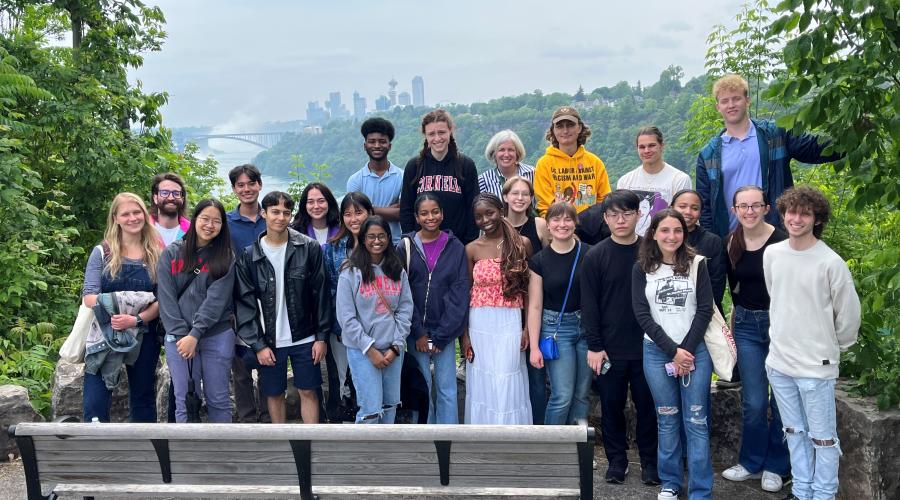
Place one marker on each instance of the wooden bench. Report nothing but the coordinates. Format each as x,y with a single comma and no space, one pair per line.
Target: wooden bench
309,461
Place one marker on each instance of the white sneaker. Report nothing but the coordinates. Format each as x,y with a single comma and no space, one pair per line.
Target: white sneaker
739,473
461,370
771,482
666,494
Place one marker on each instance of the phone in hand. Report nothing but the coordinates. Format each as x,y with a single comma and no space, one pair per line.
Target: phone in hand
605,367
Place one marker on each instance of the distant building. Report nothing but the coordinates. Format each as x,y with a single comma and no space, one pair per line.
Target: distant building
359,106
382,103
418,91
392,94
403,98
312,130
337,109
315,114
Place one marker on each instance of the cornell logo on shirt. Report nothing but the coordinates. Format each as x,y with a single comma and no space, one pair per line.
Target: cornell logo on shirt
446,183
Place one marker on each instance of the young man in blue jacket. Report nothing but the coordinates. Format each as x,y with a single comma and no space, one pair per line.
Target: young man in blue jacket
747,152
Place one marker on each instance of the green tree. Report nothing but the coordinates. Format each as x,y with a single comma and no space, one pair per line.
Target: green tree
842,72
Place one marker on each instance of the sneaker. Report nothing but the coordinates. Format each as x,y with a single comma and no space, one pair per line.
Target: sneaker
616,475
739,473
649,475
461,370
667,494
771,482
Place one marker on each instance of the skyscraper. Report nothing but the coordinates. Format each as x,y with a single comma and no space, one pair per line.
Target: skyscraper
315,114
382,103
338,111
418,91
403,98
392,94
359,106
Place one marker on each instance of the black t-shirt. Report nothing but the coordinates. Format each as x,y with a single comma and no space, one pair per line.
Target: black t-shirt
746,279
607,315
555,269
529,230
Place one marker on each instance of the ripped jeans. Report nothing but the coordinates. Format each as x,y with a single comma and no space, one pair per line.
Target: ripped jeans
681,402
377,390
810,427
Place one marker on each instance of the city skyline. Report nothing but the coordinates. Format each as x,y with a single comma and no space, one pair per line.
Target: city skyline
334,108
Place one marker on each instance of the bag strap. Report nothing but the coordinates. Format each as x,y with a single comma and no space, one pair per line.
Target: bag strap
193,275
407,244
695,264
383,300
568,288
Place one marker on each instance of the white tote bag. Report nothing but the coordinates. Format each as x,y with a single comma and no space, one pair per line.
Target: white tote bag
72,349
719,339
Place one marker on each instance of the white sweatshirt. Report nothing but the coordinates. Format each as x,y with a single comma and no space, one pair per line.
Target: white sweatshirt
814,313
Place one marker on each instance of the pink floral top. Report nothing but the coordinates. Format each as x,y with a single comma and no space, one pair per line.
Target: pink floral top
487,286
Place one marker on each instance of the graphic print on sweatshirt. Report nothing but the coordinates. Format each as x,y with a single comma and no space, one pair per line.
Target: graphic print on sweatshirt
388,287
651,202
574,185
672,293
447,183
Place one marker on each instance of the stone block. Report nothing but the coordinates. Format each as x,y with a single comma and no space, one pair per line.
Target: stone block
869,440
15,407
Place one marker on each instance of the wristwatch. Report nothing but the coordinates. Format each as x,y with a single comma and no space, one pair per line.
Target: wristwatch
139,322
396,350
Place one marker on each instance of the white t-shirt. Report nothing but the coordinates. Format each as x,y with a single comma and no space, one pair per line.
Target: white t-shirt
673,302
321,235
655,190
168,235
282,324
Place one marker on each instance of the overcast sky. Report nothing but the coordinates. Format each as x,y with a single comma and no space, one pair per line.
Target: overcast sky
235,64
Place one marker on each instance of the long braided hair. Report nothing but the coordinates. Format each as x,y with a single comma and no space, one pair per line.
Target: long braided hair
438,115
513,256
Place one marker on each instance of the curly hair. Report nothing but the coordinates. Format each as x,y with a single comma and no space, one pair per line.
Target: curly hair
806,198
649,254
513,256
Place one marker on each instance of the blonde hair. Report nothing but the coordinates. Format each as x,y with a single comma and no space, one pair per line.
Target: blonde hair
499,138
150,240
731,83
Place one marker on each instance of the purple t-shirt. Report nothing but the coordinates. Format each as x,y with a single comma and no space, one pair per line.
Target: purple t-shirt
433,250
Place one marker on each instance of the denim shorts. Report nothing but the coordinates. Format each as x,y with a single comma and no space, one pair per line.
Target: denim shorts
307,376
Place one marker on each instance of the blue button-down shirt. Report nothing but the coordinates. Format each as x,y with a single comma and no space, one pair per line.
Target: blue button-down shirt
244,232
740,167
383,190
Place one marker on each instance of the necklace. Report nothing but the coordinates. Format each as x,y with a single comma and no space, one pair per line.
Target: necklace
498,244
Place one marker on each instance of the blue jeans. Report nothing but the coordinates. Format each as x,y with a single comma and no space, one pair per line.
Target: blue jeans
570,375
211,367
762,441
443,407
681,402
810,426
377,390
97,399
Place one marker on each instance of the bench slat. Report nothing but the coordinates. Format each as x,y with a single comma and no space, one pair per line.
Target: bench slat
514,458
318,479
281,432
325,492
42,443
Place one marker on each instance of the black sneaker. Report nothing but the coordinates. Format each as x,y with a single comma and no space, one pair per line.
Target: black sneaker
616,475
649,475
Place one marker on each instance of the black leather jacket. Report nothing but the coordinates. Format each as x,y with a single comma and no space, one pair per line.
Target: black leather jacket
309,303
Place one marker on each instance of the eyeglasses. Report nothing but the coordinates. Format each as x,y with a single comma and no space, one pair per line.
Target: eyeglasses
165,193
206,221
379,236
624,215
743,207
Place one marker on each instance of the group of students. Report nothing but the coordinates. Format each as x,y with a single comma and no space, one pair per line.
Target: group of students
616,287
